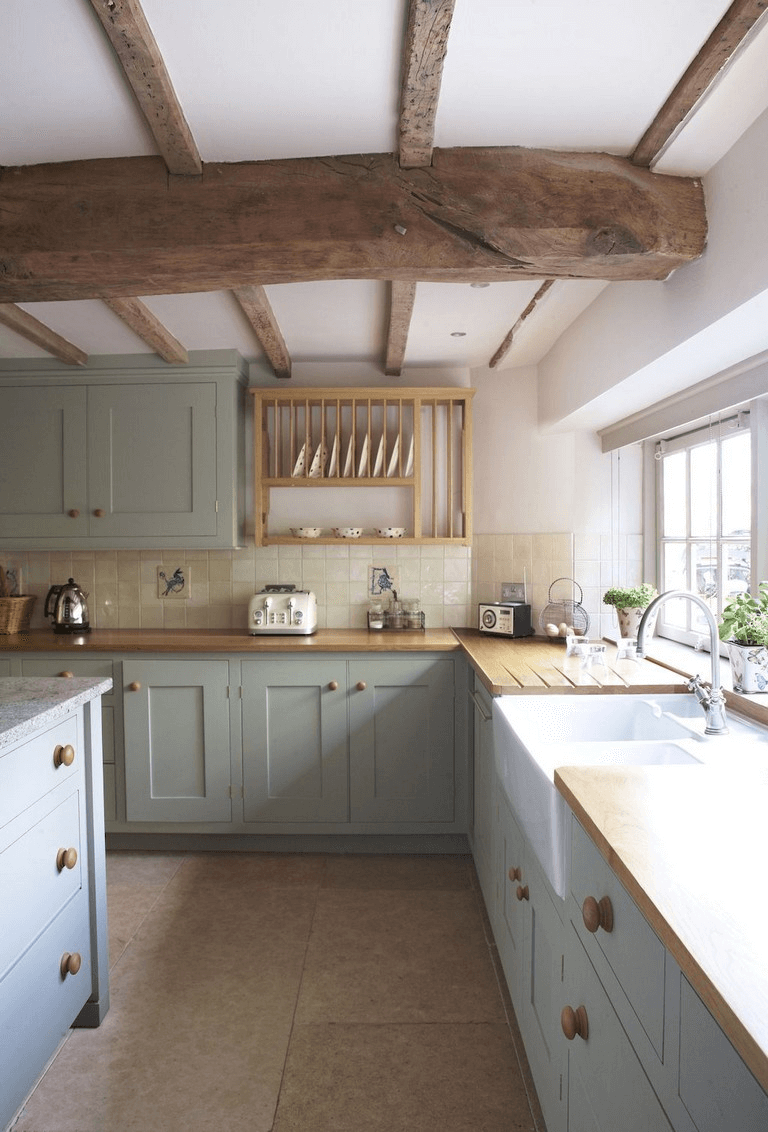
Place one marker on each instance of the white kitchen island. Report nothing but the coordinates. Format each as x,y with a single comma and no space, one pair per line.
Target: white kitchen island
54,970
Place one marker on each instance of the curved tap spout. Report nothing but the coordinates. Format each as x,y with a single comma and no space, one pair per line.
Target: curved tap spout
713,701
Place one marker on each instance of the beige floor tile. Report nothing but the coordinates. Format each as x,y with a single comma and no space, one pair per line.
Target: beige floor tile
154,869
402,873
254,870
402,1079
398,957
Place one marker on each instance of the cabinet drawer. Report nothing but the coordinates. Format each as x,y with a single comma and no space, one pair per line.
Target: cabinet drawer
33,889
39,1004
715,1085
631,949
28,771
97,667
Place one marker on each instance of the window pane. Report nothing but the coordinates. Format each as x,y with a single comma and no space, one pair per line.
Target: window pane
737,478
736,570
674,577
704,490
705,569
674,495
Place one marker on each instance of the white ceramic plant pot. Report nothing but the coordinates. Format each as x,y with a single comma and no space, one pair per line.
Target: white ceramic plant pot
629,620
749,667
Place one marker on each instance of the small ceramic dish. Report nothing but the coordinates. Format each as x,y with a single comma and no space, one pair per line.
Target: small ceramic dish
347,532
390,532
306,532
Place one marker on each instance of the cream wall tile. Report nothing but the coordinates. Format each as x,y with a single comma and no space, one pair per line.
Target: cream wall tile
456,569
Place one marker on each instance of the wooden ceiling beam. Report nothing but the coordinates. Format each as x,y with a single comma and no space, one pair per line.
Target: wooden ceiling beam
402,298
25,325
737,23
144,67
258,310
506,345
122,227
426,42
149,328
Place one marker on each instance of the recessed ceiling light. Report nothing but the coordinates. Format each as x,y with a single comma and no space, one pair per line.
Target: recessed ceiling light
479,284
458,334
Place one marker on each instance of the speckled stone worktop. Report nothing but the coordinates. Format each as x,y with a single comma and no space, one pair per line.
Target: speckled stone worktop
28,703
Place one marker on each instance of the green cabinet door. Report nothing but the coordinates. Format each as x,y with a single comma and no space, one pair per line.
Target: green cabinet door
177,742
295,740
401,740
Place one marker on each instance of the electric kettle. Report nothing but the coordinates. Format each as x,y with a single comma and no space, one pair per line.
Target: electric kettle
68,608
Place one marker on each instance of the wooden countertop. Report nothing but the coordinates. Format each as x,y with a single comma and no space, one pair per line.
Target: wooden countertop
228,641
689,845
537,665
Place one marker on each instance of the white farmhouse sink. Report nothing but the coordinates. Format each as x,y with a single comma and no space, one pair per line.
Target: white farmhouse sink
535,734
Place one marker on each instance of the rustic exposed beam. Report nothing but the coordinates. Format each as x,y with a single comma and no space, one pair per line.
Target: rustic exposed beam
136,48
258,310
426,42
122,227
149,328
727,37
24,324
402,297
506,345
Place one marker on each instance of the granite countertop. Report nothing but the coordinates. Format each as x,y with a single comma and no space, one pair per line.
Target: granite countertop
29,703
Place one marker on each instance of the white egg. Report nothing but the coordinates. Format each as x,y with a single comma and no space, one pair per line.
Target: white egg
562,629
550,630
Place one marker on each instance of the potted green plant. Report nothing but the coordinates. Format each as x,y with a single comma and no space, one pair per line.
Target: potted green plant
744,628
630,603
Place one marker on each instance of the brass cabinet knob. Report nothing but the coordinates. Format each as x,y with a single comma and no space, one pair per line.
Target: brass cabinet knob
74,513
574,1022
515,873
66,859
522,892
70,963
99,512
333,685
597,914
68,675
361,685
63,756
134,686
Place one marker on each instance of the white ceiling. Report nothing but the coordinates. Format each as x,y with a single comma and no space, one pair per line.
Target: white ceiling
290,78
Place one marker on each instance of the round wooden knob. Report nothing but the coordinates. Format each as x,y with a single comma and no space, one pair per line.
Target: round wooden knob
99,512
361,685
74,513
134,686
333,685
68,675
70,963
66,859
64,756
574,1022
515,873
597,914
522,892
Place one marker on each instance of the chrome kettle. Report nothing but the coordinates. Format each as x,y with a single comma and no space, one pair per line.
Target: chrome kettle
68,608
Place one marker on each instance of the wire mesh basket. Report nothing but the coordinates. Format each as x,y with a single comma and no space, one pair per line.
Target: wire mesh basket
567,612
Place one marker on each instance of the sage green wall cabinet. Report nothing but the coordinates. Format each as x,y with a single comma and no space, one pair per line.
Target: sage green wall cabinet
126,457
401,745
177,740
295,740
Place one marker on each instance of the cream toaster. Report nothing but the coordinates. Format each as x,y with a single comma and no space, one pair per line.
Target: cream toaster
282,609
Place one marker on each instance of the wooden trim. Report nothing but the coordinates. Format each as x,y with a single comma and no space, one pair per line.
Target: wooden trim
144,68
258,310
506,345
729,34
149,328
27,326
402,298
426,43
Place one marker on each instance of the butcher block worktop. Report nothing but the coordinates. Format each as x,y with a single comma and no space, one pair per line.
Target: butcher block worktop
689,845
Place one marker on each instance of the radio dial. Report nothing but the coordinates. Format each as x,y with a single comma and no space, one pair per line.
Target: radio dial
489,618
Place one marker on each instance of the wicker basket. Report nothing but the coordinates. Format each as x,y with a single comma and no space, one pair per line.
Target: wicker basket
15,612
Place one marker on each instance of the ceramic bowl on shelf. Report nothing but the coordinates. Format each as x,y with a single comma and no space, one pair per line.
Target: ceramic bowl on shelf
306,532
347,532
390,532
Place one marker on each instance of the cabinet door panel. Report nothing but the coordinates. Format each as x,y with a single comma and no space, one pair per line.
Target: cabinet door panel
43,471
152,459
177,760
295,741
401,740
511,930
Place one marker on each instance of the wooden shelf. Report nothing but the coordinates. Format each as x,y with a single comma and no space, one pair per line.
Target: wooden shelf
423,435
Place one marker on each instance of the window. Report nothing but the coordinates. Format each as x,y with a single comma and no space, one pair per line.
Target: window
704,521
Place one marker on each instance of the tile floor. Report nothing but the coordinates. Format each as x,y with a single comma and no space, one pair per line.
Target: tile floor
280,993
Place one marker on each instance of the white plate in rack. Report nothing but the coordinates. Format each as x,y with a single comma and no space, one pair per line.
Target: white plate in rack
318,462
298,468
392,469
349,460
378,464
362,467
408,470
333,463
